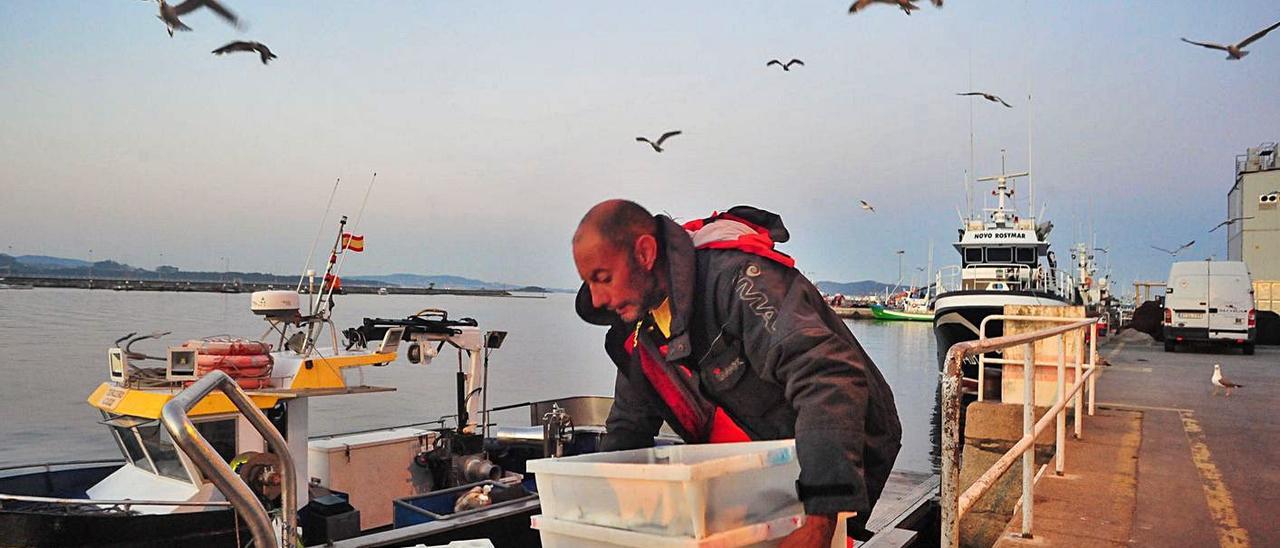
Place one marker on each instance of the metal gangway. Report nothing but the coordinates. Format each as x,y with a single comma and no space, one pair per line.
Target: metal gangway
956,504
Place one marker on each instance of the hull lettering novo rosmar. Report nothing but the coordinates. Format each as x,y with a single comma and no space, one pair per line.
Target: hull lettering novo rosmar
1003,235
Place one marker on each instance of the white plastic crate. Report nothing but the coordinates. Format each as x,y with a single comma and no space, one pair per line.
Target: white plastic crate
692,491
556,533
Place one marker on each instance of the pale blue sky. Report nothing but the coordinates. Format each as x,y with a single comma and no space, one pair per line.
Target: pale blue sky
495,125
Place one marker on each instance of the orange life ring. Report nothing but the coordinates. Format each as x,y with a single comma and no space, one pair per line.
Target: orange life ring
229,347
215,361
250,384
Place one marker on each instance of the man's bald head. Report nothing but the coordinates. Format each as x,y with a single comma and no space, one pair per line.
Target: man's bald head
618,222
616,251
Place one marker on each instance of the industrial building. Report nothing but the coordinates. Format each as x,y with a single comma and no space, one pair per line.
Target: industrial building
1254,199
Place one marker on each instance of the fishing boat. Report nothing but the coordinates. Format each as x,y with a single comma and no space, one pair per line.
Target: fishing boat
217,446
914,312
1005,260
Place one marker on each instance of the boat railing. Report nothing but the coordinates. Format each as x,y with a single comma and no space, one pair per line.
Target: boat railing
956,504
1014,276
242,499
47,467
124,504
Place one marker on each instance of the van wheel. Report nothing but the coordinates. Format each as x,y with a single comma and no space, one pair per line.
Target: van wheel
1169,345
1248,349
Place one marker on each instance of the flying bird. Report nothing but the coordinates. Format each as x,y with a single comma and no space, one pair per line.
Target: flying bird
785,67
1176,251
169,14
987,96
657,146
866,206
263,51
907,6
1228,222
1236,52
1220,381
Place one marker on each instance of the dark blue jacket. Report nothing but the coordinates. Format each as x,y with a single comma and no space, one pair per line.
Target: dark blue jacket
766,348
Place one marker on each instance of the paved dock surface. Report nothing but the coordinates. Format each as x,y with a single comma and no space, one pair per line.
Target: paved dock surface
1207,470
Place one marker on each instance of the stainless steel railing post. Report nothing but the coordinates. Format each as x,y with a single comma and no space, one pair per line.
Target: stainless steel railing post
1028,424
1060,434
184,433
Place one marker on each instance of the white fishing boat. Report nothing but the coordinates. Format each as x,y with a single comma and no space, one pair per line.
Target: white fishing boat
1005,260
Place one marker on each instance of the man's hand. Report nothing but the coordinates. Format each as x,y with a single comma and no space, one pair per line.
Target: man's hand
816,532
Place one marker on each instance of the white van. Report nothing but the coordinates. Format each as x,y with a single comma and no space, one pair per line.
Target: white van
1209,301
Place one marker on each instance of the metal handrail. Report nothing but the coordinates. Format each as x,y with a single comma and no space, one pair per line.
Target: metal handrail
955,504
187,438
48,466
983,359
123,502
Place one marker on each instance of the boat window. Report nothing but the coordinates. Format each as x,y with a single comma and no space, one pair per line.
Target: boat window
1027,255
972,255
221,434
999,254
131,448
162,451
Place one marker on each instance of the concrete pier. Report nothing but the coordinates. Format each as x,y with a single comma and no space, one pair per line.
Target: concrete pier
1165,462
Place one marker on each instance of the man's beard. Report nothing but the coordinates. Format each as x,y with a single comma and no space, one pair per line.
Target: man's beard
653,294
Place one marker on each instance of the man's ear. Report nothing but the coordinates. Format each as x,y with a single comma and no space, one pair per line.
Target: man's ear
646,251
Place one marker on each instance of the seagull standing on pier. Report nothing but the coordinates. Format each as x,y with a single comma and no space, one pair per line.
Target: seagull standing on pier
657,146
1228,222
987,96
785,67
864,205
169,14
1236,52
1220,381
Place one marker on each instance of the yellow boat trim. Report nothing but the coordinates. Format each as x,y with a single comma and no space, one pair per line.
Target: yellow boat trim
326,373
148,403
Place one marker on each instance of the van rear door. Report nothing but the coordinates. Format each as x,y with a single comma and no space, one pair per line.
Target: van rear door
1230,298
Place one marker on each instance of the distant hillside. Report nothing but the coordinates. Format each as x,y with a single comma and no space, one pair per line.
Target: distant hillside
45,261
441,281
59,267
864,287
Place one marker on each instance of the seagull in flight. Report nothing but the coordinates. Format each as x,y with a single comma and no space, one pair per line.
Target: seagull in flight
1236,52
1178,250
864,205
907,6
987,96
263,51
1220,381
1228,222
657,146
169,14
785,67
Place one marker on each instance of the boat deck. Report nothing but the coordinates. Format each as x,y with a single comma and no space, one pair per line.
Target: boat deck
904,506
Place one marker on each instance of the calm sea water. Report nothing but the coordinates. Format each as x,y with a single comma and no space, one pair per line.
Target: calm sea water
53,355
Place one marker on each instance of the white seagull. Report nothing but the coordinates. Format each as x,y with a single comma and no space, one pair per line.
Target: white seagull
657,146
263,51
866,206
1220,381
169,14
786,67
1228,222
987,96
1176,251
905,5
1236,52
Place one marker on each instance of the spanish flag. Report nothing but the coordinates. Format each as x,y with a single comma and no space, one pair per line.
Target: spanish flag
354,242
